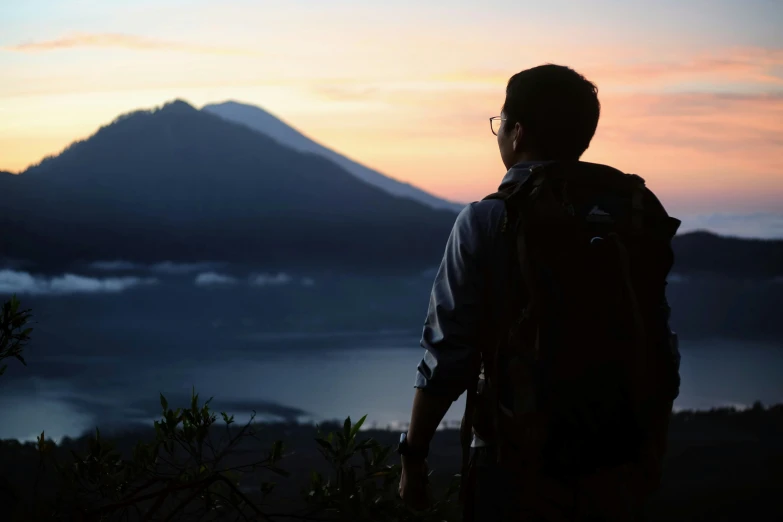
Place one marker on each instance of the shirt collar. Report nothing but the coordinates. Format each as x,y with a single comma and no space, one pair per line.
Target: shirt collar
518,173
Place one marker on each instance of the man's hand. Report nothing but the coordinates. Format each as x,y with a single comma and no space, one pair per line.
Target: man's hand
428,411
415,488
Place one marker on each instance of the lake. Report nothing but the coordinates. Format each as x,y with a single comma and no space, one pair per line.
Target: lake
307,348
306,377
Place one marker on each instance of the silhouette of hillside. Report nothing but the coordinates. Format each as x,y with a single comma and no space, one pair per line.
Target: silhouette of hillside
177,183
707,253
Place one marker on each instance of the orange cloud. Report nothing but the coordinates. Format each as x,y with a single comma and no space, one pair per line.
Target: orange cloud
724,125
698,149
121,41
754,65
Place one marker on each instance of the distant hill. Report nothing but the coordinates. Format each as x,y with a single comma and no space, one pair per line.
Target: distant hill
707,253
266,123
182,184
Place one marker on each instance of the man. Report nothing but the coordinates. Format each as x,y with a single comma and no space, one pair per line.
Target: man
549,116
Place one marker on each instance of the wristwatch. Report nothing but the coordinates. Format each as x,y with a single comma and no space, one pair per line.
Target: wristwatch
406,450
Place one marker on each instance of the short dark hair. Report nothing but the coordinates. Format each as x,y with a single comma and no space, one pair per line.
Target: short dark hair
557,107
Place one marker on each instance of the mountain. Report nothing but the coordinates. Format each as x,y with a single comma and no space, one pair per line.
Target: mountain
265,123
177,183
703,252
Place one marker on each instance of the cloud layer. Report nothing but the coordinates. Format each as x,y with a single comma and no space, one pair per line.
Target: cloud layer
214,279
164,267
167,267
14,282
114,266
121,41
207,274
278,279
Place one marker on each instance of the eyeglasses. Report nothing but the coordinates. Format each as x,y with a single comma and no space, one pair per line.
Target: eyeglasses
495,122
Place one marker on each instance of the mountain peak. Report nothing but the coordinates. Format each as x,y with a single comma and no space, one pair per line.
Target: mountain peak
177,105
266,123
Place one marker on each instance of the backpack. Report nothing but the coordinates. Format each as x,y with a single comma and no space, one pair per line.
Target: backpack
582,385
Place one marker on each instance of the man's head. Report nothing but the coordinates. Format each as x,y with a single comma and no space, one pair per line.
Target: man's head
550,113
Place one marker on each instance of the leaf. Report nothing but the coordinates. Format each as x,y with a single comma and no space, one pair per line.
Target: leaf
366,444
164,403
324,444
347,428
357,426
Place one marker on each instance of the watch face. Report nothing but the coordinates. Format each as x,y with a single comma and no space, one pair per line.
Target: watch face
403,436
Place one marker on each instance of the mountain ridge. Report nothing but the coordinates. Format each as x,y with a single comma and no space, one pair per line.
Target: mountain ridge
184,183
265,122
705,252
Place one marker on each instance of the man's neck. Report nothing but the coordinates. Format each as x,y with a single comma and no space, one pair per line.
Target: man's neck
526,157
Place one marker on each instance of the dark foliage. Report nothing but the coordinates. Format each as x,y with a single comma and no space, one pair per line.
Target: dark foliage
14,331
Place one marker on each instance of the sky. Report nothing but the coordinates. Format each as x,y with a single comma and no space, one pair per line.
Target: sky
692,92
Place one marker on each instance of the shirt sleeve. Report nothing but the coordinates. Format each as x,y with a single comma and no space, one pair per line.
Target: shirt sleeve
451,330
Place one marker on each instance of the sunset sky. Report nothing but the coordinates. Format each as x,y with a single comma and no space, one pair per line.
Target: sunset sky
692,91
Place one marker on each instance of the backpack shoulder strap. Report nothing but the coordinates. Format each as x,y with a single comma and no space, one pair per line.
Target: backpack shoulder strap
507,195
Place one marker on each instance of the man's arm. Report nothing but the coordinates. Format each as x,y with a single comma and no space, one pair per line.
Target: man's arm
451,331
428,412
673,354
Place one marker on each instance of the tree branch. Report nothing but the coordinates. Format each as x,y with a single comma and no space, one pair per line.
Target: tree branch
149,496
188,500
244,498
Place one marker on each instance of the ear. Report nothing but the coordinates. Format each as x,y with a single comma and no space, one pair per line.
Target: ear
518,135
